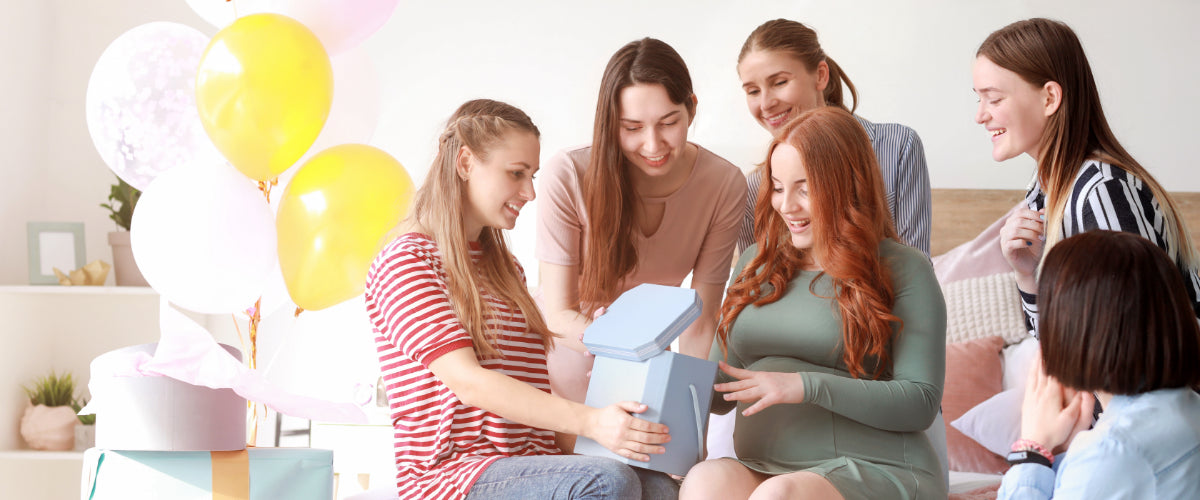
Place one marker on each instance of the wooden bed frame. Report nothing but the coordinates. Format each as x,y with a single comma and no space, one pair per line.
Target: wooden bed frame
959,215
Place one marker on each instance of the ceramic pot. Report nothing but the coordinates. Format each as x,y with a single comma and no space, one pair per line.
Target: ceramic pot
125,269
85,437
50,428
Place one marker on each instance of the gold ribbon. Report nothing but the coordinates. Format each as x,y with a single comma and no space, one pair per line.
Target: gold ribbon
230,475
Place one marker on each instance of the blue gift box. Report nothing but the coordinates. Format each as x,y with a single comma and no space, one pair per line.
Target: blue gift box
631,364
271,473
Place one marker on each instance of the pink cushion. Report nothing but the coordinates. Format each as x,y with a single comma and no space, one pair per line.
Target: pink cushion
973,374
978,257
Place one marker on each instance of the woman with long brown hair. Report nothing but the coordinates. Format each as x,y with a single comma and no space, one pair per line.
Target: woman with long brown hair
640,205
462,346
832,335
1037,96
785,72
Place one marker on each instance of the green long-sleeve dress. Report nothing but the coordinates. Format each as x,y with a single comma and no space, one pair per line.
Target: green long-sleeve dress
865,436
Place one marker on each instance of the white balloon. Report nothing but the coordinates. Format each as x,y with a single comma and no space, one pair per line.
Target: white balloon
204,237
141,102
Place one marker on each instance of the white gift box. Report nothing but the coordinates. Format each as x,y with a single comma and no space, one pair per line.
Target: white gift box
160,413
632,365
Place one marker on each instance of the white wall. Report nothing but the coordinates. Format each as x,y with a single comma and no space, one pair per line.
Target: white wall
910,60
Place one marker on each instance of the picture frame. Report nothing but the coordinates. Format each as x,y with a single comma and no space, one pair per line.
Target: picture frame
54,244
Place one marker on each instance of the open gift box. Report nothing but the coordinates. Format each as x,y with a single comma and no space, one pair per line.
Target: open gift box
629,341
135,412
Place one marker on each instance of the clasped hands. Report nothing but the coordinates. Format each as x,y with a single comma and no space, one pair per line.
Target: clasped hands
1052,414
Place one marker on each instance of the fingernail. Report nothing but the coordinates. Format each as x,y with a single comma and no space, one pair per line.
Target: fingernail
1028,243
1042,237
1042,216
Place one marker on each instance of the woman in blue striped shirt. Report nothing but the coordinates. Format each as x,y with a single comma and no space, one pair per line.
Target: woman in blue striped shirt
1037,96
784,72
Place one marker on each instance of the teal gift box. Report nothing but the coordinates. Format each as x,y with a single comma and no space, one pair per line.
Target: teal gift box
251,474
629,341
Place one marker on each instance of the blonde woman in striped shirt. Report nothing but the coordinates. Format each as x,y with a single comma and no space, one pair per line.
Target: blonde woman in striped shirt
462,345
784,72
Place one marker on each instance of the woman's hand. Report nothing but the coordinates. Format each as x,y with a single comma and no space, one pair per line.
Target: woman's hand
761,388
628,436
1021,242
1051,414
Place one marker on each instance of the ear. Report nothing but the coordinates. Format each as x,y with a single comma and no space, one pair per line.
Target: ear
822,76
695,109
462,163
1052,93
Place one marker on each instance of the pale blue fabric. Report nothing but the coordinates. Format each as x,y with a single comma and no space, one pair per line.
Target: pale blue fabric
562,477
1144,446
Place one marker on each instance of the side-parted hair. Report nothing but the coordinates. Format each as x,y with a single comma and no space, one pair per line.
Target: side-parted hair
850,219
478,126
1115,316
608,195
800,42
1043,50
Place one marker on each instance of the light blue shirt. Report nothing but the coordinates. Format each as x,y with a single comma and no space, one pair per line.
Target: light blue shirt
1143,446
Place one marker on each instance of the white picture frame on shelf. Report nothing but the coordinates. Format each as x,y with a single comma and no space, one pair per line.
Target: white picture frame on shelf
51,245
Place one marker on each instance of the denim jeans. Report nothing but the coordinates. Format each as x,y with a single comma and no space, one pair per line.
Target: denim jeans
570,477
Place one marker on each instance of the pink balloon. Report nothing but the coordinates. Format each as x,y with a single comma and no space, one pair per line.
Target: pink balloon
340,24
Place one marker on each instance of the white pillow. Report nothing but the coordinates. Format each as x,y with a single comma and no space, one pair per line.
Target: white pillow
996,422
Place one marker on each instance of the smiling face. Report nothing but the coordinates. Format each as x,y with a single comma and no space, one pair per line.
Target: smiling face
789,194
498,186
1012,110
779,87
653,130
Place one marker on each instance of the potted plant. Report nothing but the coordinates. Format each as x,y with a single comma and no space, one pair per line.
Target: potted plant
49,421
122,198
85,431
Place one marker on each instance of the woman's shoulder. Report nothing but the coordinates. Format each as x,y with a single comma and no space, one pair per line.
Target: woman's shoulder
887,132
714,163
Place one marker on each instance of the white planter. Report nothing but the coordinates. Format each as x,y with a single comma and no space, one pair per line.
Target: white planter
49,428
125,269
85,437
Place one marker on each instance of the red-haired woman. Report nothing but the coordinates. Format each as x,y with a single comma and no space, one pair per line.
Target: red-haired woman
832,335
640,205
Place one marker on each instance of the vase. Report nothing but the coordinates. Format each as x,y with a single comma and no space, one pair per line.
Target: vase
85,437
50,428
125,270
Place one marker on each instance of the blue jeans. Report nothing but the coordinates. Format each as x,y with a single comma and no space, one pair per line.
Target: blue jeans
570,477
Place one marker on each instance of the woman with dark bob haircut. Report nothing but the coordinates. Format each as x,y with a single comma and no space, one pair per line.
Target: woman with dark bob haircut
1138,353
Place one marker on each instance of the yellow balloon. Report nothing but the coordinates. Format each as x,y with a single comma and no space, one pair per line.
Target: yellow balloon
264,88
332,219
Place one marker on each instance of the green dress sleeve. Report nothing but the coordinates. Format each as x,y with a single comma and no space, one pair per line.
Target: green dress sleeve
910,400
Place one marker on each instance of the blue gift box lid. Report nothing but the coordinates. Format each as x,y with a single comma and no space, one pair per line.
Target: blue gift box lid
642,322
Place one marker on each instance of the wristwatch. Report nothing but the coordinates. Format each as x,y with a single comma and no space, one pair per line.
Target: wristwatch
1027,457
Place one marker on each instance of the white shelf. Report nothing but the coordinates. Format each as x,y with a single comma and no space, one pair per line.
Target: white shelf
78,290
40,455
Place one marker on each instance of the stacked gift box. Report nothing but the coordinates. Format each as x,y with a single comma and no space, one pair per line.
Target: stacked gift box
632,364
159,438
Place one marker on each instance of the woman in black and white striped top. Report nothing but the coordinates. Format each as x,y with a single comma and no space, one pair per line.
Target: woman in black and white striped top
784,72
1037,96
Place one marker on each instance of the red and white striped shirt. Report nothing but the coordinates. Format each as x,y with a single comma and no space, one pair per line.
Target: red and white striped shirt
441,444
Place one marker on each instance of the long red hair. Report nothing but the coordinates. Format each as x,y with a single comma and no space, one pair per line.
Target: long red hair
850,219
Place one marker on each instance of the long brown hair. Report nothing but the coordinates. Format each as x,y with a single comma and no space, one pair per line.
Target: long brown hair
849,221
800,41
478,125
1043,50
608,194
1116,316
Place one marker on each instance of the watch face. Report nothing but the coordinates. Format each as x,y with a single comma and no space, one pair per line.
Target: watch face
1018,456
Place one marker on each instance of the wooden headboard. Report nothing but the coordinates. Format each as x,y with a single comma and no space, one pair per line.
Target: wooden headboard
961,214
